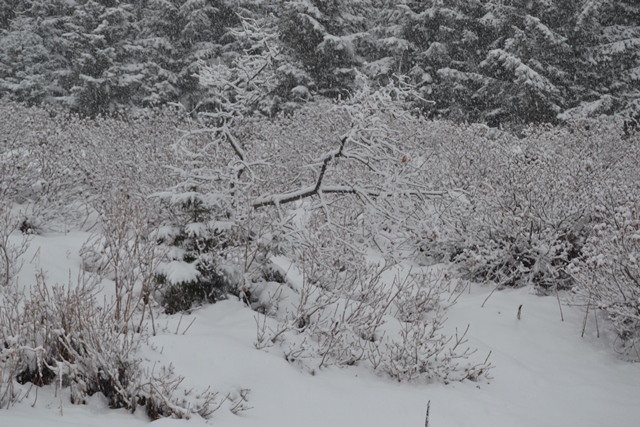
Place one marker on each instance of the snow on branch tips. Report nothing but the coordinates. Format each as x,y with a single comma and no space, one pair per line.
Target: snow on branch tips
319,187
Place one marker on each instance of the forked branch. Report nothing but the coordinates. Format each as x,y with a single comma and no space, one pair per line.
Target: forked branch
303,193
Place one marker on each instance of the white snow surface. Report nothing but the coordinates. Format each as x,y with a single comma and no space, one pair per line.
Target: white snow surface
545,373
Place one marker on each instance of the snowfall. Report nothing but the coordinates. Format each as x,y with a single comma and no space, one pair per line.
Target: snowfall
547,372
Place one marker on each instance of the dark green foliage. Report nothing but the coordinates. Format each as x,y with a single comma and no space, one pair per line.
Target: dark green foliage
196,244
209,287
501,63
323,40
184,296
98,57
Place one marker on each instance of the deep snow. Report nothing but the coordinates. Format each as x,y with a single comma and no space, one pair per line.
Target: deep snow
545,374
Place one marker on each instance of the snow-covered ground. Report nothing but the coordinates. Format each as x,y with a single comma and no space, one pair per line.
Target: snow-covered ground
545,373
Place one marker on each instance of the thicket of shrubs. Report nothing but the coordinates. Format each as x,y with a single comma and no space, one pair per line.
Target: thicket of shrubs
285,213
60,173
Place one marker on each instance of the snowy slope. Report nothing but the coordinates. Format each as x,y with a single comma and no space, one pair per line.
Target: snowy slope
545,374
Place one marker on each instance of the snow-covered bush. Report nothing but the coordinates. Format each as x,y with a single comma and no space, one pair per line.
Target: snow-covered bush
243,191
200,216
61,172
56,167
196,237
608,273
322,185
10,251
125,250
519,210
242,172
64,336
337,310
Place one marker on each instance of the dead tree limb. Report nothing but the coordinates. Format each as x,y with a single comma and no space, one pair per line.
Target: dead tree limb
303,193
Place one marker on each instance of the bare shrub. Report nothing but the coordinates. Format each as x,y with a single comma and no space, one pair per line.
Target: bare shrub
10,251
608,273
355,316
62,335
239,191
56,167
520,209
125,250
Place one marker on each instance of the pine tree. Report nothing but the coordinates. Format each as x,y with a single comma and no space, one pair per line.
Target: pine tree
8,11
93,39
609,48
529,71
448,39
33,66
98,56
330,38
519,61
176,35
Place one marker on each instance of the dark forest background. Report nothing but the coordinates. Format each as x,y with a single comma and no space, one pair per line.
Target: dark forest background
498,62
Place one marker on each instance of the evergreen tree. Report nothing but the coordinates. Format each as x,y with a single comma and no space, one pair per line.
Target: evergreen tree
97,56
93,38
529,71
33,64
609,49
8,11
330,38
496,62
448,39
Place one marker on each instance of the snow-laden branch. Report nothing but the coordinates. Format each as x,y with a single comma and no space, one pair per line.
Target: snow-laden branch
302,193
319,187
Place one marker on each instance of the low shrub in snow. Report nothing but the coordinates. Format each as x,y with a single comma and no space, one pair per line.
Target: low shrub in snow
63,336
519,210
289,213
196,234
608,273
360,314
